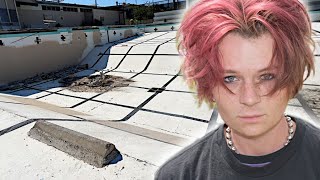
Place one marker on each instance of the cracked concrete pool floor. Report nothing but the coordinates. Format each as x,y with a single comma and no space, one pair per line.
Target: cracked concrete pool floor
148,121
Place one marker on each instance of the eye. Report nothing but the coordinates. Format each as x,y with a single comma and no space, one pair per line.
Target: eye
267,77
230,79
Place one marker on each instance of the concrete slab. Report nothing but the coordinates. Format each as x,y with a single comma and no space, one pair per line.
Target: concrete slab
134,63
143,49
113,61
192,128
110,112
146,38
30,110
315,80
78,94
119,49
126,96
294,102
61,100
87,106
122,74
38,95
155,134
180,104
21,159
179,84
171,124
165,65
9,119
103,111
315,25
149,81
168,48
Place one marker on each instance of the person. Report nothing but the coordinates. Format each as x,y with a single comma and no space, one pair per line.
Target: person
249,58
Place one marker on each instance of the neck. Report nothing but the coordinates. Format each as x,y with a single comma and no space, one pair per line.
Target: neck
264,144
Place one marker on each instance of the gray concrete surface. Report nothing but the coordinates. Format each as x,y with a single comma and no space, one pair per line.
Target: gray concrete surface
91,150
147,127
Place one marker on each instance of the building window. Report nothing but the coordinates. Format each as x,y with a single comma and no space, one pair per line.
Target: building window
51,8
47,17
85,10
69,9
101,18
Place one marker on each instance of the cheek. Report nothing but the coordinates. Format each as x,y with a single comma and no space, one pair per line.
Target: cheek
227,106
278,103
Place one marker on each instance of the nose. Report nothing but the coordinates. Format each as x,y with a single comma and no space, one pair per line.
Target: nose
249,94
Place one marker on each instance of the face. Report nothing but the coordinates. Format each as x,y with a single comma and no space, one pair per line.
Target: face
244,103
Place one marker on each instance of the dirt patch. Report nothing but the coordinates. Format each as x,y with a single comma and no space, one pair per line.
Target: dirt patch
312,97
95,83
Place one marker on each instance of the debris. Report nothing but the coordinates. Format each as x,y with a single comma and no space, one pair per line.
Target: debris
95,83
91,150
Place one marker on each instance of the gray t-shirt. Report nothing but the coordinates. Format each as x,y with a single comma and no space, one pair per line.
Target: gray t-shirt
210,158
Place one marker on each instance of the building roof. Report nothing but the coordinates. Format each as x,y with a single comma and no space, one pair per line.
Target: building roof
36,3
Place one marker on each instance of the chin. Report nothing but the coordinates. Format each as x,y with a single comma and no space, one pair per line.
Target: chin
253,132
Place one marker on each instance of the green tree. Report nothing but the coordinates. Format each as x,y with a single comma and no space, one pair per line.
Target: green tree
139,13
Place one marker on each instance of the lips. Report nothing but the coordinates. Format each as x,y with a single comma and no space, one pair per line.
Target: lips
251,118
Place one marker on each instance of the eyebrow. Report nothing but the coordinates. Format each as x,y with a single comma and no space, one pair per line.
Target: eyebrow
261,70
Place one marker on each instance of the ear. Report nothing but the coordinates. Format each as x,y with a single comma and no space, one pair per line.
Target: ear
214,98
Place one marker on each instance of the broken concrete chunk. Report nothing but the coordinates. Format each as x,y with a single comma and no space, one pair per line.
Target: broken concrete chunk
89,149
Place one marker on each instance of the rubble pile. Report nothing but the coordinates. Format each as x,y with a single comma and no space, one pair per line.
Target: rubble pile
94,83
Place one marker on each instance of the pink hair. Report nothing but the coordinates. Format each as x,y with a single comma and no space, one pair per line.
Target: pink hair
208,21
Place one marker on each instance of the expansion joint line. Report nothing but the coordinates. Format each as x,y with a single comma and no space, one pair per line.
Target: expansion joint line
116,66
29,121
120,105
118,42
315,31
146,101
129,51
146,67
45,81
42,82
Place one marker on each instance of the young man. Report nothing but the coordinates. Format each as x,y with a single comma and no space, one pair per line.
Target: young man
249,57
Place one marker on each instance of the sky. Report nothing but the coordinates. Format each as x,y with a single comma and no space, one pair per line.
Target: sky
105,2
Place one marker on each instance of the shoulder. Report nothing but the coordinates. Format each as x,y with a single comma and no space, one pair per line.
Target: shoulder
310,137
310,146
312,132
184,162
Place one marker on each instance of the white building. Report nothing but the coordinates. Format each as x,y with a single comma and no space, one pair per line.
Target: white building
8,15
41,14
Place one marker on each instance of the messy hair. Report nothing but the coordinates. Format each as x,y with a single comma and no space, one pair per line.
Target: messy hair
206,23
